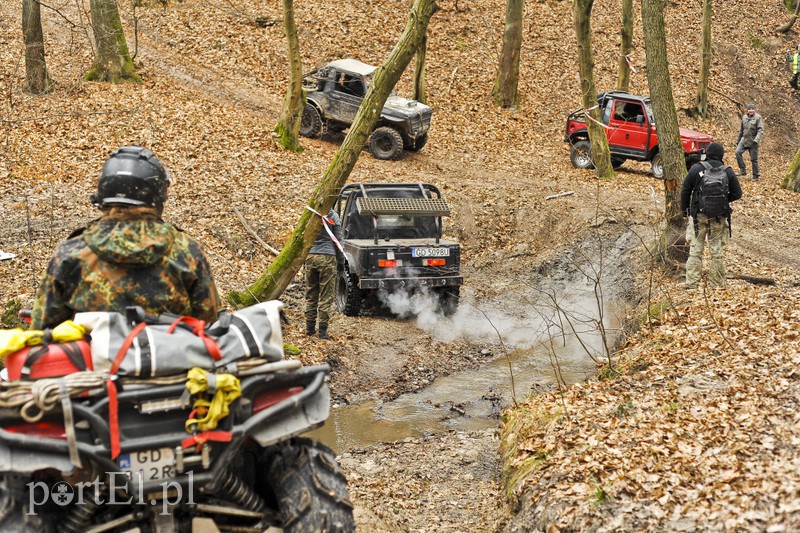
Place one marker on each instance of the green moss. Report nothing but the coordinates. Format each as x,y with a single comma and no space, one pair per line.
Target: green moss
287,140
10,316
600,495
656,311
757,43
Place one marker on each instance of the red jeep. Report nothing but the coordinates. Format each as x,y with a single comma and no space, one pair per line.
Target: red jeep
631,132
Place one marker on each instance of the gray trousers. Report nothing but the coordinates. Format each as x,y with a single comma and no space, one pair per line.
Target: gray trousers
740,149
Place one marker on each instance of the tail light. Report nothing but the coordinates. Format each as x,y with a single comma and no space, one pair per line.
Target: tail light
433,262
387,263
47,430
272,397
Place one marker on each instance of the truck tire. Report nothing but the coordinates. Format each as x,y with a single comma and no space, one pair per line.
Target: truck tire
310,490
310,122
448,300
580,155
348,295
385,143
421,141
658,166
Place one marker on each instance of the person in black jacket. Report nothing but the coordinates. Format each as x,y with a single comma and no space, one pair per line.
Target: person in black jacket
715,229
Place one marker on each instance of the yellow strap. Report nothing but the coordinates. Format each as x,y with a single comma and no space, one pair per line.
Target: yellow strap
13,340
228,389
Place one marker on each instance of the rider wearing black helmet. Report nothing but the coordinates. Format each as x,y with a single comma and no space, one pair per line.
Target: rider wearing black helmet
129,256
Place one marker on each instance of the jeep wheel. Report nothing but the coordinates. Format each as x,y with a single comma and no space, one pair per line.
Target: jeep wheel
310,489
421,141
658,167
311,122
385,143
581,155
448,299
348,295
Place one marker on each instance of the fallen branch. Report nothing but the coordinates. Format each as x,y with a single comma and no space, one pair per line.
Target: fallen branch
559,195
754,280
738,104
247,227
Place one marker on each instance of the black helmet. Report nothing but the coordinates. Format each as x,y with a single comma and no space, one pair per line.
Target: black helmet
132,176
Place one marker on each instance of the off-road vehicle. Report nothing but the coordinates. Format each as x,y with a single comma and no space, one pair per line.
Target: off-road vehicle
631,133
335,92
392,242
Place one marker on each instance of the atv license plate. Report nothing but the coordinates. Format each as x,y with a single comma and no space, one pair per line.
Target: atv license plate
148,464
430,252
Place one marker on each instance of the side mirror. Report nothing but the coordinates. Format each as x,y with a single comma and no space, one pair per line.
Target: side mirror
640,119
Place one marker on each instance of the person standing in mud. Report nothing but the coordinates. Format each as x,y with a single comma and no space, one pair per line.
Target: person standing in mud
129,256
321,275
706,206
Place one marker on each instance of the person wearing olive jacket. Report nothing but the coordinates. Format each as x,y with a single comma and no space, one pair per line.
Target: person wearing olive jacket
751,132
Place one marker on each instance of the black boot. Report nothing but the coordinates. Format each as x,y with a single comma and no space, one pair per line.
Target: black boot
311,329
323,331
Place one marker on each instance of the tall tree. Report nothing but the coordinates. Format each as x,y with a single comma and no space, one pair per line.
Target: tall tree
505,86
278,276
601,155
791,180
625,46
419,72
112,60
288,126
705,60
669,140
37,81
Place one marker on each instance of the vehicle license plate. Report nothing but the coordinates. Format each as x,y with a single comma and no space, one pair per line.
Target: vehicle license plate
430,252
148,464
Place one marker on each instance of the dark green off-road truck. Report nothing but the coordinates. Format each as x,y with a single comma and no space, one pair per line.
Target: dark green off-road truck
392,242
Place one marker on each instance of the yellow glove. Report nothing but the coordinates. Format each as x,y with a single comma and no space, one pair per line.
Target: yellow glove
13,340
68,331
228,389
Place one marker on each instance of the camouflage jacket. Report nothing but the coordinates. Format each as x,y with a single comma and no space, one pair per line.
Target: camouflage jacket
119,262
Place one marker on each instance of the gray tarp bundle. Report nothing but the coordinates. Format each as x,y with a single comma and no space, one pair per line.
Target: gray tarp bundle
254,331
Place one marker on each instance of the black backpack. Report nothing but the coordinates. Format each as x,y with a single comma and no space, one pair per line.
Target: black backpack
712,195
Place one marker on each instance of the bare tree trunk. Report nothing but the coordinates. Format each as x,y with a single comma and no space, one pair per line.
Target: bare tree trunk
288,126
791,180
625,46
601,156
788,26
505,86
283,270
112,60
419,72
705,60
37,81
669,139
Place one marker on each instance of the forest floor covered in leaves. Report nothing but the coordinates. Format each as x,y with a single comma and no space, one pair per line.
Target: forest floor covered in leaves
699,431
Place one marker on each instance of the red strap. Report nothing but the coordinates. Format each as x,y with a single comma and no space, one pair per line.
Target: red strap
111,387
199,328
200,438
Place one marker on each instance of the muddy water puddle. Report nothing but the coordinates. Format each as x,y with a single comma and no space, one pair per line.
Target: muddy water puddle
557,338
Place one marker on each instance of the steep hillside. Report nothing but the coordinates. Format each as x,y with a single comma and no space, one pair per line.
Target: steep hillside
213,86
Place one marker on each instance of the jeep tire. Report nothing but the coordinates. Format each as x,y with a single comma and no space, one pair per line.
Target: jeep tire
310,490
385,143
580,155
658,166
348,295
310,122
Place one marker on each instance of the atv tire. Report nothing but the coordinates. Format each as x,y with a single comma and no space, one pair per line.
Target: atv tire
310,122
386,143
448,300
310,490
580,155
